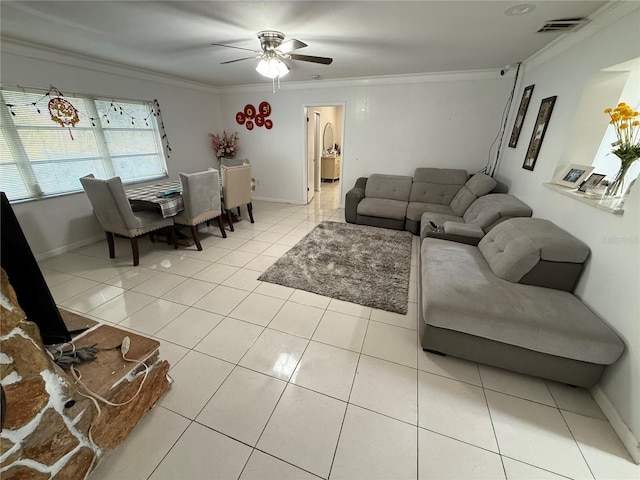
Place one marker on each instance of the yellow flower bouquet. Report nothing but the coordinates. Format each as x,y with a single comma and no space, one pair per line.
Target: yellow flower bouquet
626,124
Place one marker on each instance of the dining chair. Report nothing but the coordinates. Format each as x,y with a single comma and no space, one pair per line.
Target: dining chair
236,184
114,212
201,196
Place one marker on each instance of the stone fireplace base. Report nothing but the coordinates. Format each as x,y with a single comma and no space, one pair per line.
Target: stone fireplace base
51,428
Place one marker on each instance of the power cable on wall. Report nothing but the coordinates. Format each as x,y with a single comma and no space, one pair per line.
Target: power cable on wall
492,164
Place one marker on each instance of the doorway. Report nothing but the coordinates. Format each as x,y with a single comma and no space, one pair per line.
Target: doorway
318,118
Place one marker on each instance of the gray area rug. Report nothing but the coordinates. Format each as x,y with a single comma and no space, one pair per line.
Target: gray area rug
365,265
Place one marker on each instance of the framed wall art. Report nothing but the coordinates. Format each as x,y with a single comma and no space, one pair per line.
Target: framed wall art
522,112
539,129
573,175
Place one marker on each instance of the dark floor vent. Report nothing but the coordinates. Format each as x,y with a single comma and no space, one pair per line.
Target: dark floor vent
563,25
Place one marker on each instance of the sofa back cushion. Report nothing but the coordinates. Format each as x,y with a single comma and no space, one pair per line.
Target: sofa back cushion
490,209
477,186
437,185
514,247
392,187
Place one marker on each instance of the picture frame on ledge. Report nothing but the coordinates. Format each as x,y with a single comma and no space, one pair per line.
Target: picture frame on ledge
592,181
573,175
522,112
539,130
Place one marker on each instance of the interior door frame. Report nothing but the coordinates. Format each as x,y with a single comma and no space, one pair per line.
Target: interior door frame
307,108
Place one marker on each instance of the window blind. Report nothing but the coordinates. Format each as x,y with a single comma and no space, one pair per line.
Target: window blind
40,158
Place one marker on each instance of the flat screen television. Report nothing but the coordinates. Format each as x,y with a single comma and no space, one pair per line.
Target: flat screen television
27,280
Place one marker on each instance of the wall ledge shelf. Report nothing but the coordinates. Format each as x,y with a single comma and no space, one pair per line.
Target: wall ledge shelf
609,205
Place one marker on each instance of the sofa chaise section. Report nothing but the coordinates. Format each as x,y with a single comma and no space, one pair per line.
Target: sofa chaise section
489,304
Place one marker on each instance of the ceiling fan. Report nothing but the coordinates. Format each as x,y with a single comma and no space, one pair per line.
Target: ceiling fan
274,53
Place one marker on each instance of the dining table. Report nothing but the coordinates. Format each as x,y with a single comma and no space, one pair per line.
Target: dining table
164,196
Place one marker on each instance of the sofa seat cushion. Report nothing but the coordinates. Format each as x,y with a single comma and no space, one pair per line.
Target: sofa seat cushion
460,292
515,246
393,187
382,207
416,209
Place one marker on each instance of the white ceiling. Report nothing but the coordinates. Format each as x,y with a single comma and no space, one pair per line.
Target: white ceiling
365,38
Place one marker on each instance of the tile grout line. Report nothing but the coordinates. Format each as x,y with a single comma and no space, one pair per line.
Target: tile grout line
355,374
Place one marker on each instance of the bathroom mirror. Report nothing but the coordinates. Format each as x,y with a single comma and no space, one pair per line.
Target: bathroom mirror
327,138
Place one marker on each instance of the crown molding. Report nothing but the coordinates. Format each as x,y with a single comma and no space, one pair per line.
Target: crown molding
602,18
41,52
368,81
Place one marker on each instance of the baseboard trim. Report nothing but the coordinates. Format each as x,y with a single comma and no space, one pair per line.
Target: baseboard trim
626,436
275,200
67,248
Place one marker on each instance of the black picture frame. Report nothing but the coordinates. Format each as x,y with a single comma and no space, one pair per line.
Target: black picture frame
522,112
539,130
592,181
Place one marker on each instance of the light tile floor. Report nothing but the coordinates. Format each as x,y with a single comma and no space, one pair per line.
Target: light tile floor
272,382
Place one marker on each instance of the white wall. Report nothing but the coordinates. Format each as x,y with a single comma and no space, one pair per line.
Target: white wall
611,282
390,126
189,113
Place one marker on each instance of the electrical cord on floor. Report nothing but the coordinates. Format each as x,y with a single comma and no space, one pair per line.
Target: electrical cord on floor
94,397
124,348
68,358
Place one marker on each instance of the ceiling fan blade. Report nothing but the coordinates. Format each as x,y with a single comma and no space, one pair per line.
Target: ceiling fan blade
310,58
291,45
237,60
237,48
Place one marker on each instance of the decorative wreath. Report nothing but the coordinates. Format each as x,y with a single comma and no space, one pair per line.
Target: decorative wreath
63,112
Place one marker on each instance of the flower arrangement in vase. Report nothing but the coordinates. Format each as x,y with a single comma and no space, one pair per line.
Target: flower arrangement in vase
224,145
626,124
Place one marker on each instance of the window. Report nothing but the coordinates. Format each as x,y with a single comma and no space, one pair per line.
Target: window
40,158
629,91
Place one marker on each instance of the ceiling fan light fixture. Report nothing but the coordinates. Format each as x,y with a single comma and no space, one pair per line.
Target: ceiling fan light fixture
272,66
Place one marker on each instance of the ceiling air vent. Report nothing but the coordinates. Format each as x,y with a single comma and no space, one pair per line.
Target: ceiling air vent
563,25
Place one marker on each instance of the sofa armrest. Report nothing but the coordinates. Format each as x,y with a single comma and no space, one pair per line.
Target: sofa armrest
353,198
456,232
463,229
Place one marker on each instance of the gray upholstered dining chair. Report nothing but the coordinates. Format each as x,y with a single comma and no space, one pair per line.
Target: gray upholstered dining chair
201,196
114,212
236,184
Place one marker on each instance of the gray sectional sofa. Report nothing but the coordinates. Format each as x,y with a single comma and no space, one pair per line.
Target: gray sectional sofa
508,303
458,206
500,293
